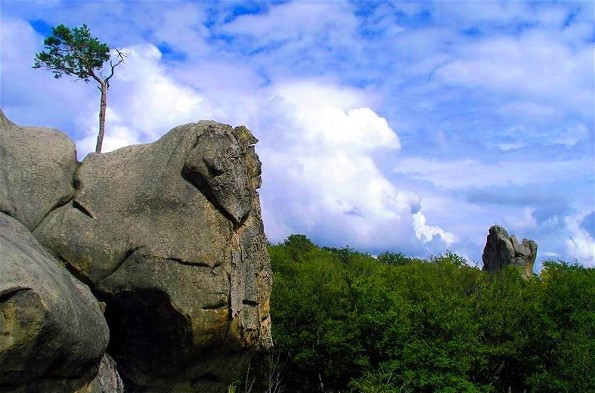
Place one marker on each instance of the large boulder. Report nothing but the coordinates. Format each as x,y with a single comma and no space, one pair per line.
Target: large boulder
170,236
502,250
52,330
37,166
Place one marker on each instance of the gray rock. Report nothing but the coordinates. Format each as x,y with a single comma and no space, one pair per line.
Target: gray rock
503,250
170,235
52,331
218,164
107,379
37,166
102,379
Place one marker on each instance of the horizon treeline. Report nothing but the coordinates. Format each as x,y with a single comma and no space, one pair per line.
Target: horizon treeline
345,321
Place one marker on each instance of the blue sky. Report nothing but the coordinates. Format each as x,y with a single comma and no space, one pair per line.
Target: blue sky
403,126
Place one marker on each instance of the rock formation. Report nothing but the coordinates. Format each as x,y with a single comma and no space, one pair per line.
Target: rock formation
51,326
168,235
502,250
37,166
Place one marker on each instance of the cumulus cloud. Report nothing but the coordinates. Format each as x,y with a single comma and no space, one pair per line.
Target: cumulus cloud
427,233
321,178
143,103
119,132
580,242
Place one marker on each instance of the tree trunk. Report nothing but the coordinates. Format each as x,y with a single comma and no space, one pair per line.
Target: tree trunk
102,107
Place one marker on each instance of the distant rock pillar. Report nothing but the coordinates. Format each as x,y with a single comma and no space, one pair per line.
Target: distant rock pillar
502,250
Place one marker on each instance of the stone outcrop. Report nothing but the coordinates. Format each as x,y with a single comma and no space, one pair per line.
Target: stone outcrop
169,236
51,326
37,166
503,250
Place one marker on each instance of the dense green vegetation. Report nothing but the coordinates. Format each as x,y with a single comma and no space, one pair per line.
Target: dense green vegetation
344,321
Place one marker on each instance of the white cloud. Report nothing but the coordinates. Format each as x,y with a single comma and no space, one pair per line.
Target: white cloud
426,233
143,103
152,100
524,221
117,135
182,27
472,173
297,38
33,96
320,175
537,66
484,12
579,242
521,109
330,117
295,21
13,31
572,135
518,135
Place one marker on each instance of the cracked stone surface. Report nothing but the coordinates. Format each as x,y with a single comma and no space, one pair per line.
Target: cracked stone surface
170,236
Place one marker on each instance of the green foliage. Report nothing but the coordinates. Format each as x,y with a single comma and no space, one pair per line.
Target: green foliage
567,330
391,258
73,52
348,322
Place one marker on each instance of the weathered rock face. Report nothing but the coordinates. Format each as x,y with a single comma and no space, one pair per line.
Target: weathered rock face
502,250
52,331
170,236
37,166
